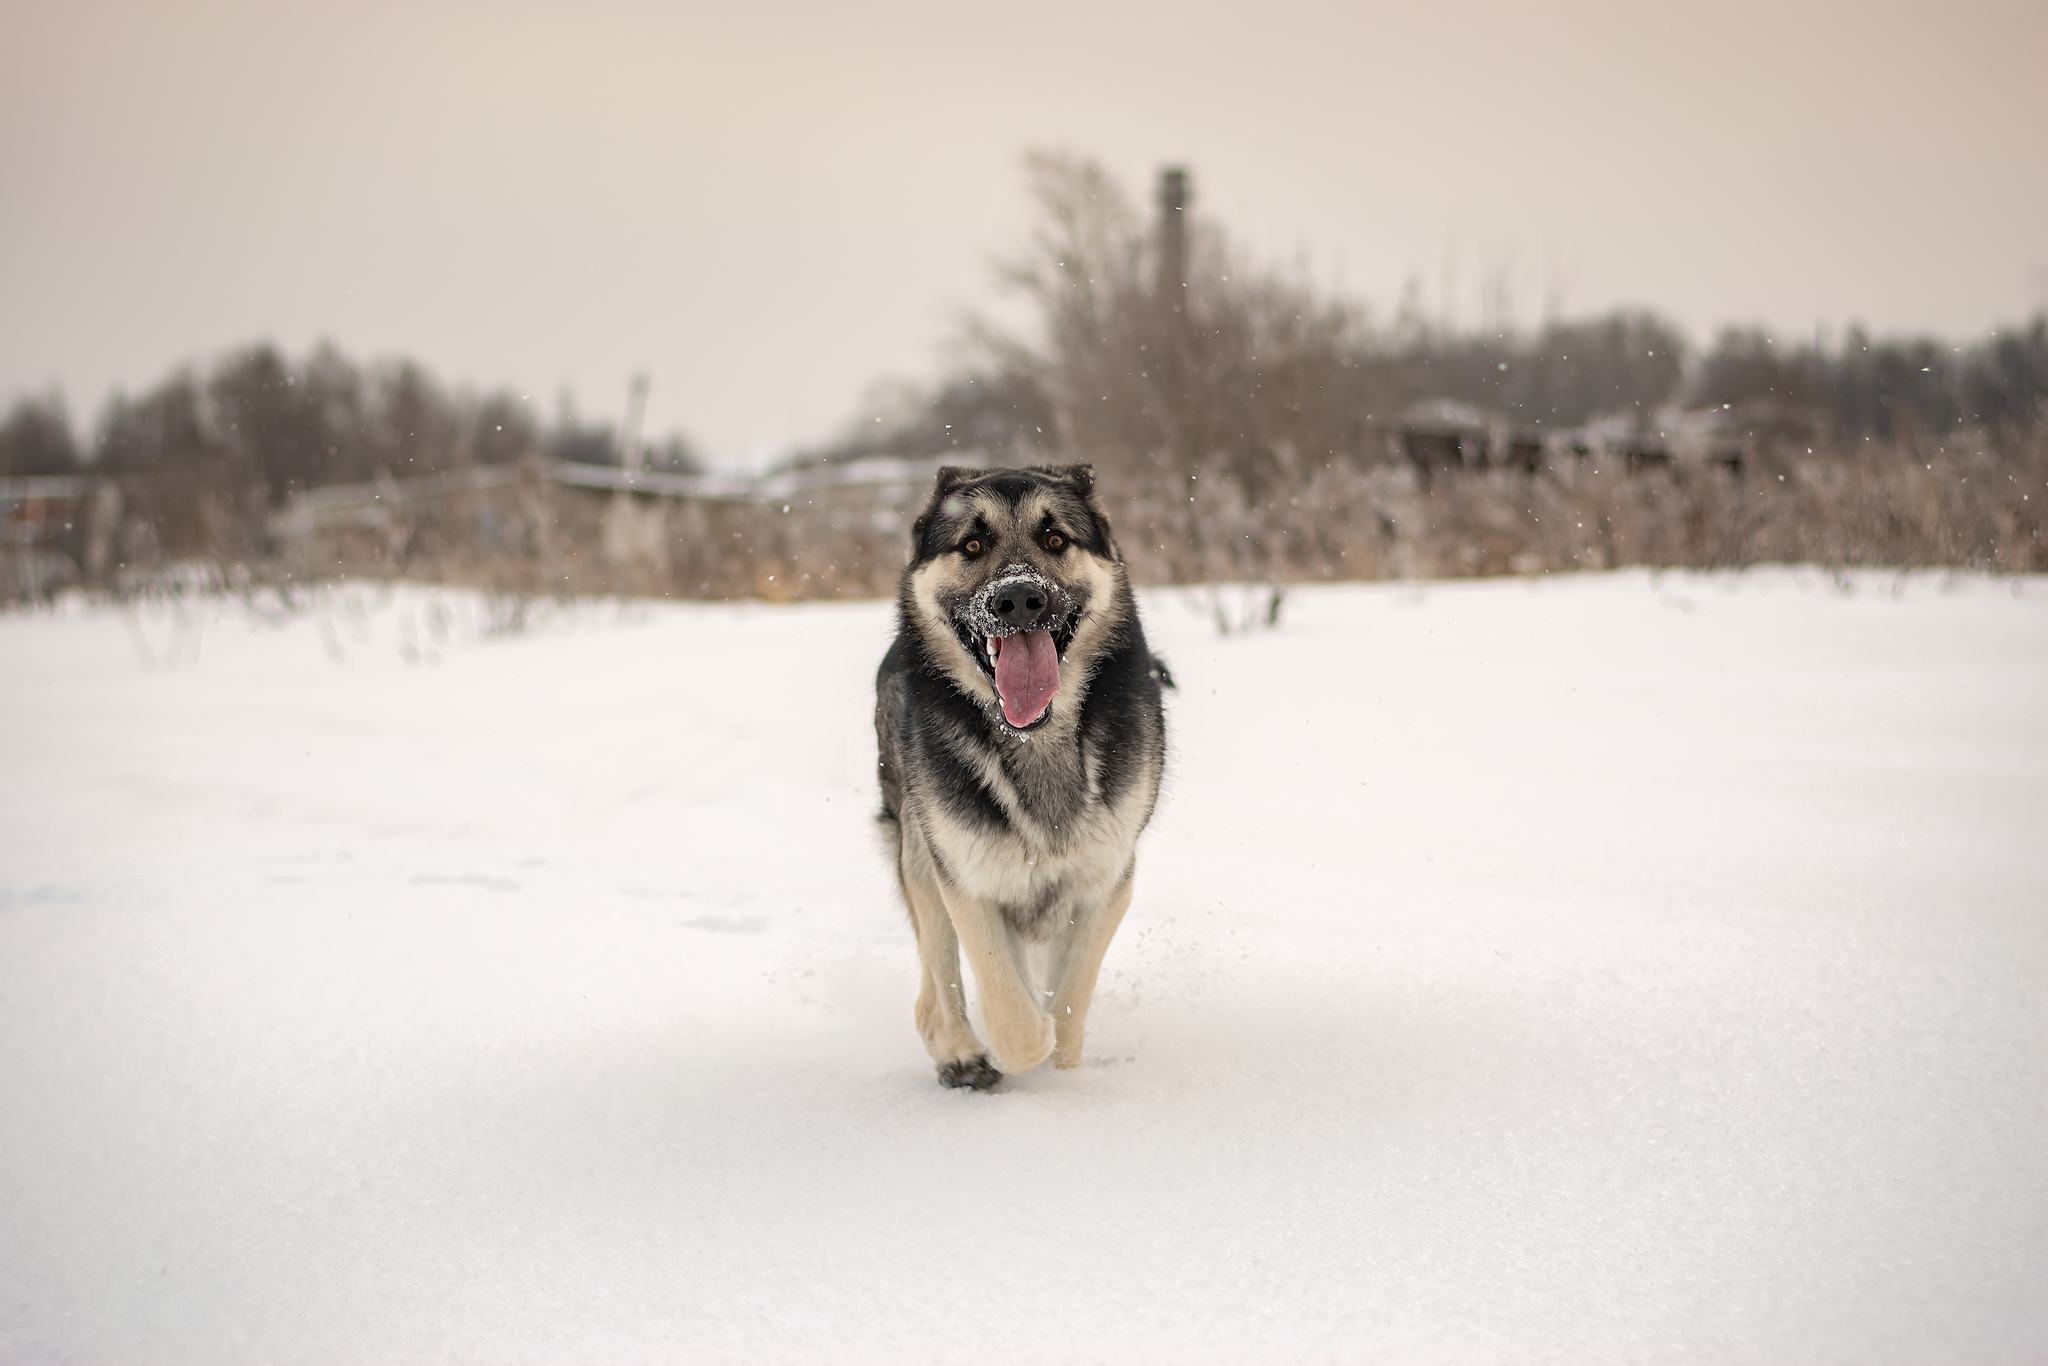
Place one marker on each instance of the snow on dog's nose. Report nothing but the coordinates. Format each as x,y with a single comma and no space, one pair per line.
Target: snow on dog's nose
1020,604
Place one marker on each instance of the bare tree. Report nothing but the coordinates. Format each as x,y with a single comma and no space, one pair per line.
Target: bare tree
36,439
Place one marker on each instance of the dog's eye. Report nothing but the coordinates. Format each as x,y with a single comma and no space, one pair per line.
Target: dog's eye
1053,540
971,547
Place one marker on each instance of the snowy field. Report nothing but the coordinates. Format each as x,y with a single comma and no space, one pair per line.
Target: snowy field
1613,968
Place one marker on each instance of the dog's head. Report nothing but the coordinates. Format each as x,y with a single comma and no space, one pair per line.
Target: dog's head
1012,582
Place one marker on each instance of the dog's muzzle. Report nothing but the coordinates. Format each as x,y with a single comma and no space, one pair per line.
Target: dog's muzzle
1018,599
1018,628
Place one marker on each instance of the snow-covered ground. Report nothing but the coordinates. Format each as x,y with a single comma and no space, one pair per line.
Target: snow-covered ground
1599,969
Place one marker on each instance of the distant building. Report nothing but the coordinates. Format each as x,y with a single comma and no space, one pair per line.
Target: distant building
1443,435
55,531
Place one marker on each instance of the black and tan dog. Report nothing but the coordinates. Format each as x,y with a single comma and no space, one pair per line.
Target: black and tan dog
1021,746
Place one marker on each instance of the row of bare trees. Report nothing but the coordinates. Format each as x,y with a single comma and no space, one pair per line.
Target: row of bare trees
1241,419
1243,422
204,459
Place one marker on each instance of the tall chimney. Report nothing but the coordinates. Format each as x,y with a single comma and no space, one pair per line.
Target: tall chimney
1173,236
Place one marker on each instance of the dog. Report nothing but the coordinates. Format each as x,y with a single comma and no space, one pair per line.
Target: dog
1021,741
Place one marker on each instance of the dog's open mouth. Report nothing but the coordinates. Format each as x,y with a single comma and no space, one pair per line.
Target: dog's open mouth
1025,667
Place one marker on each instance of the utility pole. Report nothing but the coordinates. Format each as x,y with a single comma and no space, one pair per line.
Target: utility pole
632,453
633,544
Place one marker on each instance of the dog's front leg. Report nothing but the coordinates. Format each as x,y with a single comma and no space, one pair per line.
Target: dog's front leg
941,1004
1020,1033
1076,966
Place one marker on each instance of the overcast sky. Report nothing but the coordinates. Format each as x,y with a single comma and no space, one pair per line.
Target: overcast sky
769,206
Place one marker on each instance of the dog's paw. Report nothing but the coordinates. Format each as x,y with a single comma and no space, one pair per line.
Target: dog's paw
1022,1044
976,1074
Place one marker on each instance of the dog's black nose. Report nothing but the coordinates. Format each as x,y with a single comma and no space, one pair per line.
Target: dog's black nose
1022,606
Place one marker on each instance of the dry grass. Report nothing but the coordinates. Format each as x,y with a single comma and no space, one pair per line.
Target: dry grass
1970,504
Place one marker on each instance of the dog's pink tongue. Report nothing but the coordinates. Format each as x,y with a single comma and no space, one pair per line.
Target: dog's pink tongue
1027,675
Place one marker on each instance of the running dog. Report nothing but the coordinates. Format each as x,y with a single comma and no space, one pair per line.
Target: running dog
1021,743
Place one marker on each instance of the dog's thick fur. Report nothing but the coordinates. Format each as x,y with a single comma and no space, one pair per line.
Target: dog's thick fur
1011,835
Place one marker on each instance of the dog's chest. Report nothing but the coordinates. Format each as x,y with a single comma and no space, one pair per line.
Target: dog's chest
1037,887
1062,842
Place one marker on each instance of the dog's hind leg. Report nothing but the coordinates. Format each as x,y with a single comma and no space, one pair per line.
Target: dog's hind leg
941,1004
1077,960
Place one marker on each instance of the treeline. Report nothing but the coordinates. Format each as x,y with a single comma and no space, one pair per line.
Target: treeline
1246,425
1251,425
1260,375
1868,388
203,460
1629,362
1634,362
258,427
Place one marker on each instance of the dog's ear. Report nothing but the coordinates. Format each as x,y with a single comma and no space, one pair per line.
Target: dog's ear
1081,479
950,477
